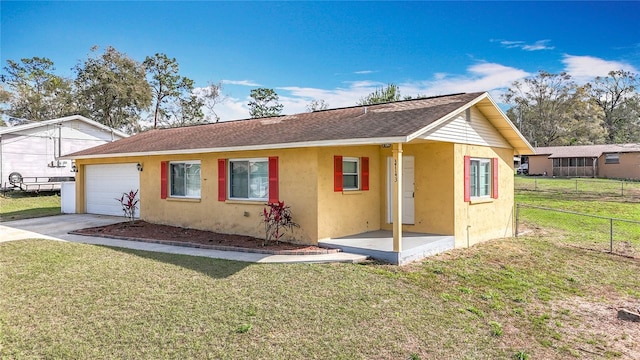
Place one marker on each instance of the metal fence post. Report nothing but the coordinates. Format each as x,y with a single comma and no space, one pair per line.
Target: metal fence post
535,184
517,218
611,235
621,188
576,186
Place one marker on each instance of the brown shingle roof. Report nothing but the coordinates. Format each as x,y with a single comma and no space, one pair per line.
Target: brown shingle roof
382,121
585,150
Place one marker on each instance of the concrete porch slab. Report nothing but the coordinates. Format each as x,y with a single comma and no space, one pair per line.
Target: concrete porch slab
379,245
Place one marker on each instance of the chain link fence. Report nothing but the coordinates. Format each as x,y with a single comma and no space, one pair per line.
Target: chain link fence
601,187
618,236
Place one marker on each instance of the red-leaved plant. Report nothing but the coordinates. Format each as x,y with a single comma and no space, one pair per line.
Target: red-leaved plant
129,204
277,219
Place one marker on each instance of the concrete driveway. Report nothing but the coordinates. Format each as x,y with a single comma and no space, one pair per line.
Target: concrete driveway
53,227
57,228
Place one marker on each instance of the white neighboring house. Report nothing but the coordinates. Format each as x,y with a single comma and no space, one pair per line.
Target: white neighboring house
32,150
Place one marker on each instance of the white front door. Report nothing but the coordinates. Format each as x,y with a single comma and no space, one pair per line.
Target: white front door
408,188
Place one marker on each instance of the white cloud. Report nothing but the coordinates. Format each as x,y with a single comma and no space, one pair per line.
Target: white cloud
241,82
364,72
536,46
338,97
508,43
585,68
483,76
233,109
479,77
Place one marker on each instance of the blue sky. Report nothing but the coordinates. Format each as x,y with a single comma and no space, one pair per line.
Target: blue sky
336,51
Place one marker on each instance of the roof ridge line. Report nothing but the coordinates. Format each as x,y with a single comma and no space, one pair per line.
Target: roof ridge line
324,110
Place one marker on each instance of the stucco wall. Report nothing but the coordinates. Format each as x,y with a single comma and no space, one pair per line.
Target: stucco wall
433,185
478,221
306,184
628,168
297,187
347,212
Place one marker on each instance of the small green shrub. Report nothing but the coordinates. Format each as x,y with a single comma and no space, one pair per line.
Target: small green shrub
521,355
476,311
243,328
496,328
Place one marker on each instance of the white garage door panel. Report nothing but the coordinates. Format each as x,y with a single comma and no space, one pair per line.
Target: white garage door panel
105,183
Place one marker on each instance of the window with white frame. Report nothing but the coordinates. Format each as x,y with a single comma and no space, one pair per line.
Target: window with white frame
480,177
350,173
185,179
249,179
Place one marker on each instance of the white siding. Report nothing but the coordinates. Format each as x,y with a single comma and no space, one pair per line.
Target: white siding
32,151
479,131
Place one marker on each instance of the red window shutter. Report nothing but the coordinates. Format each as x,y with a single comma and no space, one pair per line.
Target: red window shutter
364,165
273,179
164,173
467,178
222,179
337,173
494,193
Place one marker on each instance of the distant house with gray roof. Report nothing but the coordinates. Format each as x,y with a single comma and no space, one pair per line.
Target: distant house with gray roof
618,161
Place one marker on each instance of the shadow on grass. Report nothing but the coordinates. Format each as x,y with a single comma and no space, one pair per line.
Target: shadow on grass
30,213
215,268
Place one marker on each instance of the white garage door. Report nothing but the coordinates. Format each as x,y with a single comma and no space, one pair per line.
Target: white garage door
105,183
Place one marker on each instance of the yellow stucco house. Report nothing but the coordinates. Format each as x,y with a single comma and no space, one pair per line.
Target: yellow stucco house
389,178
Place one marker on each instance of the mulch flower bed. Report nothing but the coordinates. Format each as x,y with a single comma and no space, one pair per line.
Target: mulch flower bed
141,230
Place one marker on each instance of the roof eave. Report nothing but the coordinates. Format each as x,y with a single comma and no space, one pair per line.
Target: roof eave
322,143
61,120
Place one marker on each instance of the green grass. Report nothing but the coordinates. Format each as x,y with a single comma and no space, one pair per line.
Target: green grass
19,205
529,297
494,300
591,232
608,187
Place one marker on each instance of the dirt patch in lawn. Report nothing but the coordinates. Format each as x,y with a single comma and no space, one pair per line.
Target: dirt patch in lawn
173,235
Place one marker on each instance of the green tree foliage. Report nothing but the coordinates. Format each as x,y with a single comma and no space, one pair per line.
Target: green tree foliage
619,100
382,95
264,103
317,105
35,92
419,96
173,101
551,109
5,98
112,89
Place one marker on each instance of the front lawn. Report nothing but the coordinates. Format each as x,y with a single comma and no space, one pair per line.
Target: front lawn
496,300
15,205
594,232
